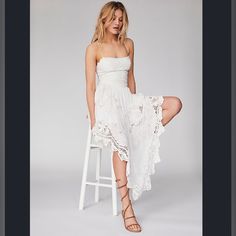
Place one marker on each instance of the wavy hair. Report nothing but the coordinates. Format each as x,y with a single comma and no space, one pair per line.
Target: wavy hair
106,14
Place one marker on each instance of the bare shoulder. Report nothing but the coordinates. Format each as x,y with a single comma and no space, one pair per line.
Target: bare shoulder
91,49
130,44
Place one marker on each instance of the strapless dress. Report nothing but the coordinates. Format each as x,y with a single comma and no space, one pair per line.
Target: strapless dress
128,123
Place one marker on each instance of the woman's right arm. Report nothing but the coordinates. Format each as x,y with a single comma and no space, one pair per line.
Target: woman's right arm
90,67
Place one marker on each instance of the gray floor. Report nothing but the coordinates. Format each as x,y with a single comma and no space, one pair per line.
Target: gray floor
172,208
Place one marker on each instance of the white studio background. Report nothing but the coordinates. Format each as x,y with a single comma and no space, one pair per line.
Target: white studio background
167,35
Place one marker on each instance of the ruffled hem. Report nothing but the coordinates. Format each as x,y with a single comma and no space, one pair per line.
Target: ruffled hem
153,150
103,134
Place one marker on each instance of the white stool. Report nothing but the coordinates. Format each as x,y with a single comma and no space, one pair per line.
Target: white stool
97,184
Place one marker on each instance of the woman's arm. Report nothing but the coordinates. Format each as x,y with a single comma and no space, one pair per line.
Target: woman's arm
131,79
90,67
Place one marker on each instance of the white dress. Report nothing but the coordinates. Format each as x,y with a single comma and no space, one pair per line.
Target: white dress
128,123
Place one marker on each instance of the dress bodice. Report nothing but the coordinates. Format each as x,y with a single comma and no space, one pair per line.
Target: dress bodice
113,70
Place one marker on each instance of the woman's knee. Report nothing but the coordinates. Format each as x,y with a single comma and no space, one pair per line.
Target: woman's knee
177,104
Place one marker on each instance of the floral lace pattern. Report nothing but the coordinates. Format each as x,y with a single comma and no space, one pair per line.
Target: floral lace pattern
102,133
129,123
156,102
146,108
156,127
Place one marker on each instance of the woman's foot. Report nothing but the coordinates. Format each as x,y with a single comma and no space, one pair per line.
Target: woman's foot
130,221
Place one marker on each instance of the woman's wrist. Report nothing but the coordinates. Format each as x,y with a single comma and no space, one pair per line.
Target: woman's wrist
92,123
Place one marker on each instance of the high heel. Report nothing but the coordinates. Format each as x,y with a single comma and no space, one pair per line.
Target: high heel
128,227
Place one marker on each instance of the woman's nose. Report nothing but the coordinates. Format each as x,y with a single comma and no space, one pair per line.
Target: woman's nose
117,21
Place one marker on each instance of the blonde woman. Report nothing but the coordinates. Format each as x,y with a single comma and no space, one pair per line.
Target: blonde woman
130,123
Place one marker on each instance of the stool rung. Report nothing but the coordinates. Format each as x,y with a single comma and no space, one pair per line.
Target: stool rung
99,184
105,177
99,180
95,146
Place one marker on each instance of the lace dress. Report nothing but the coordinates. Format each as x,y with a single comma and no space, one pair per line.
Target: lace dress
128,123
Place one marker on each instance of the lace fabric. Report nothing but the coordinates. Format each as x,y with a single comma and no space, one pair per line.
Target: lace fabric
129,123
104,133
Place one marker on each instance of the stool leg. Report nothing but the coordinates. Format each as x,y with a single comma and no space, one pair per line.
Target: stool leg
85,170
114,190
98,169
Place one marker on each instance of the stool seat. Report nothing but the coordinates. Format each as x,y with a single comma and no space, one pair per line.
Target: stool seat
98,148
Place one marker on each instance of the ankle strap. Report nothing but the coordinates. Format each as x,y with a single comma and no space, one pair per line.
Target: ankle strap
124,211
122,185
125,195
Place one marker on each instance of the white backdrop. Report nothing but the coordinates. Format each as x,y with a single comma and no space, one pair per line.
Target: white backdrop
167,35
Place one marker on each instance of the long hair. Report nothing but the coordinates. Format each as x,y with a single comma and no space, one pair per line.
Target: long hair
106,14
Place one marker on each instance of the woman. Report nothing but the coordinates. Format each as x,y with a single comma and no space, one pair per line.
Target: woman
130,123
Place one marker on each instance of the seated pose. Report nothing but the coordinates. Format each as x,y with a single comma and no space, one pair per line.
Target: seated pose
130,123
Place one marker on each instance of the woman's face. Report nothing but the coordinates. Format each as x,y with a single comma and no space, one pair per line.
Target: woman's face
116,24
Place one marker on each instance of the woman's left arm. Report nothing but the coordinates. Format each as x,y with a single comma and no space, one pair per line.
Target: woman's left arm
131,79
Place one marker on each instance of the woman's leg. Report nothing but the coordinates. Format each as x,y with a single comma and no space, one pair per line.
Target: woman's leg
120,173
171,106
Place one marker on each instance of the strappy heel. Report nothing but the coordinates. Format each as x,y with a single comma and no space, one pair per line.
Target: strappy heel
128,227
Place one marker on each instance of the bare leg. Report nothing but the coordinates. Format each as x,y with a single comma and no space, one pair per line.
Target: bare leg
120,173
171,106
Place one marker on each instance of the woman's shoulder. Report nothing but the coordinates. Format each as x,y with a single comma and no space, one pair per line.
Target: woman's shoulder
92,48
129,43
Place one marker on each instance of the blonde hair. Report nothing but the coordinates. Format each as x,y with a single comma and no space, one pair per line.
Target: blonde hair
106,14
